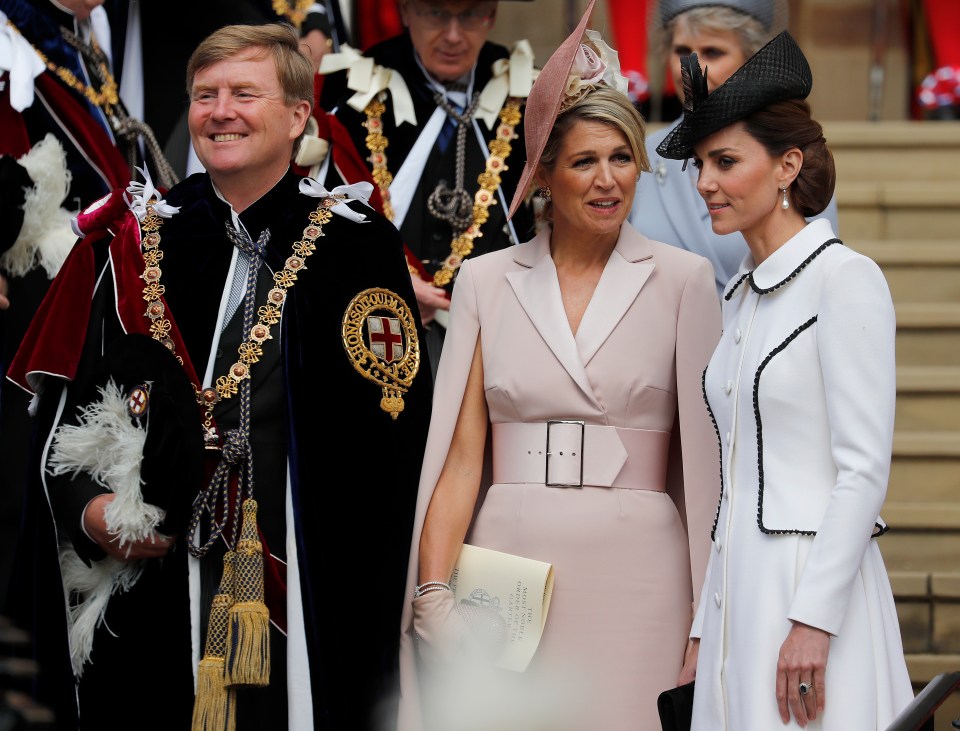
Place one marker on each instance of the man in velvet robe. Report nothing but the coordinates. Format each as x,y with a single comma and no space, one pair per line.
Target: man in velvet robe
440,66
324,428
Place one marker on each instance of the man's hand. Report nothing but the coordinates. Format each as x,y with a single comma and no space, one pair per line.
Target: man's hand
95,524
4,291
429,298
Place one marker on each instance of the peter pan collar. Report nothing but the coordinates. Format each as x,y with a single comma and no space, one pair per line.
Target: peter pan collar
788,261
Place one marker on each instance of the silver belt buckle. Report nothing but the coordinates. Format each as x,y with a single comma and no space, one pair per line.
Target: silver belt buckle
546,474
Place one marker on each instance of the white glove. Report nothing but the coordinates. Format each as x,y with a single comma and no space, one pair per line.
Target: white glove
439,627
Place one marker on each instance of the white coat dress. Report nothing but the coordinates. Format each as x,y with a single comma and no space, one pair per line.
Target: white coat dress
802,389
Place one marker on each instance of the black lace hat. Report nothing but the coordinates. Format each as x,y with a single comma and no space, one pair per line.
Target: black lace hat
777,72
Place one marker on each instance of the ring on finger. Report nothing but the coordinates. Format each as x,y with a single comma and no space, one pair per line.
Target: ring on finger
804,688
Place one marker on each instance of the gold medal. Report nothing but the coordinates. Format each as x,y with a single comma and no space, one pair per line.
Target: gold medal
380,337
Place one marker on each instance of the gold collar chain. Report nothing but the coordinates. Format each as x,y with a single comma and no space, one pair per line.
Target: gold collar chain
106,97
489,179
251,349
295,12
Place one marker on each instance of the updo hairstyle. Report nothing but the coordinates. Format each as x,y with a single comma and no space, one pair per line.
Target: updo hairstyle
788,124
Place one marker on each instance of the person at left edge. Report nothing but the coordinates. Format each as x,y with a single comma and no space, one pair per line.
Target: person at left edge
446,176
70,131
333,386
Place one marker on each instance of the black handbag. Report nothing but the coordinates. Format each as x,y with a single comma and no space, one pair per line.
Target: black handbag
676,708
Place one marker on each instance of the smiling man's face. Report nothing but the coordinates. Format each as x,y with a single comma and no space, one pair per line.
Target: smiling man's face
240,124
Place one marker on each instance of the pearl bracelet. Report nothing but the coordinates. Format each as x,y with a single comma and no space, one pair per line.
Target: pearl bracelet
428,586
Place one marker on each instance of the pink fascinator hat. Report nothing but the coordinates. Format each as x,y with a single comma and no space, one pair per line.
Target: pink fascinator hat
581,63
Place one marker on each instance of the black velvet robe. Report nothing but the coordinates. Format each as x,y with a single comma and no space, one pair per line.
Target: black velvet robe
427,237
353,469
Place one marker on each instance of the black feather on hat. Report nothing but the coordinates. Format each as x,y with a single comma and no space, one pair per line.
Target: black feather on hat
777,72
694,82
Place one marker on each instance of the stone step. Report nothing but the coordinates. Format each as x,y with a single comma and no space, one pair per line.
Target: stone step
917,271
896,209
915,550
922,516
910,150
918,540
13,640
923,479
928,607
928,399
928,333
927,444
27,714
924,667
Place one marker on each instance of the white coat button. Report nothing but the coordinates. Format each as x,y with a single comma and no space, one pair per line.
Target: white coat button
716,598
728,437
728,388
737,335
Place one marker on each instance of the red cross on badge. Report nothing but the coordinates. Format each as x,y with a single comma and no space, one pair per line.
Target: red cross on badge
138,400
386,337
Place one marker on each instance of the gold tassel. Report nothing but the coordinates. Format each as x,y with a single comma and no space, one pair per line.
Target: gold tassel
248,630
214,708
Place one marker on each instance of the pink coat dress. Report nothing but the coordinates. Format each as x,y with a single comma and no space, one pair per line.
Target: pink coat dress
630,546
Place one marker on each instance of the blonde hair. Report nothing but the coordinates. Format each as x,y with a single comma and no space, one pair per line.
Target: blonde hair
602,104
278,39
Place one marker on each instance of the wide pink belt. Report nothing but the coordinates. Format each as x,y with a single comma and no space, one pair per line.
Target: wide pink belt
569,453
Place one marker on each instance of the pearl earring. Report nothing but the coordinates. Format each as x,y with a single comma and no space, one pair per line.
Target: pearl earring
545,192
784,204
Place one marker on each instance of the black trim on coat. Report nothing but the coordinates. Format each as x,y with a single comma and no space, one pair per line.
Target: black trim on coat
879,529
760,290
716,428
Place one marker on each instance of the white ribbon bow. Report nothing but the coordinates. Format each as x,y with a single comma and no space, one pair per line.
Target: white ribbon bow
368,79
313,148
513,77
138,195
19,58
342,193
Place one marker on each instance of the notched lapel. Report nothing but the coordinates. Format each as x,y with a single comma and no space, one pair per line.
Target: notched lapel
538,292
627,270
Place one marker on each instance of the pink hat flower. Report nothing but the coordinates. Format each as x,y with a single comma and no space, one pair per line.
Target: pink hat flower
594,63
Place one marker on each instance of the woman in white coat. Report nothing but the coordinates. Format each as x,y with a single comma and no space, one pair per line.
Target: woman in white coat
796,621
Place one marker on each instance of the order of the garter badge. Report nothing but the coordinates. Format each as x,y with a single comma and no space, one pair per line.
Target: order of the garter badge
380,336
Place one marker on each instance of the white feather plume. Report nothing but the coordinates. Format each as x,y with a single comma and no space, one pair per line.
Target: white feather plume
46,236
108,446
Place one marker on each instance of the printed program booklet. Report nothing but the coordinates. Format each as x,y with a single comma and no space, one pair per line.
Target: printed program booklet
518,588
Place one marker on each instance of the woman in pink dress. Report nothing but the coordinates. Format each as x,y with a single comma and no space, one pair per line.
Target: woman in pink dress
595,338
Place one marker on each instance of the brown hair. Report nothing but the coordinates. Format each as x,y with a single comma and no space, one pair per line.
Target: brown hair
602,104
294,69
278,39
784,125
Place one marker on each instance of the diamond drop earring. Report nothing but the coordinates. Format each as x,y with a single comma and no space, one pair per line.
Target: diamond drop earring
784,204
545,192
